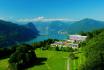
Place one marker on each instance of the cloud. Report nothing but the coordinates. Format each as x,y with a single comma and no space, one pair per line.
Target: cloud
6,18
43,19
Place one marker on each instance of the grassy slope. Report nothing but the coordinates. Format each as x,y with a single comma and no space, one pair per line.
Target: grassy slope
74,64
56,60
3,64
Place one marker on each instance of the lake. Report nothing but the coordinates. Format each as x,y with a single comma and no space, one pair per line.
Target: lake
45,37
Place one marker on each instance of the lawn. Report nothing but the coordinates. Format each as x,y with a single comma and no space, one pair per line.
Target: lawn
56,60
74,64
3,64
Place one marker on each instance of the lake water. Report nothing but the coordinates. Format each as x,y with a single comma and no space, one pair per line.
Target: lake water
45,37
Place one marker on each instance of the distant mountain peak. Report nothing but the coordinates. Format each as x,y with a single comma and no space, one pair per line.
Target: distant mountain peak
88,19
30,24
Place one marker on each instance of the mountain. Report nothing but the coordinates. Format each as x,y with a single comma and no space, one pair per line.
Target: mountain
52,27
59,27
85,25
33,28
11,33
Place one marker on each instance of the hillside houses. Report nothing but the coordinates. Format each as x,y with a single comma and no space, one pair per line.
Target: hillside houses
77,38
73,41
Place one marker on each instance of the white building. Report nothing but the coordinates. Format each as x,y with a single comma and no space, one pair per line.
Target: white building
74,45
59,44
77,38
73,41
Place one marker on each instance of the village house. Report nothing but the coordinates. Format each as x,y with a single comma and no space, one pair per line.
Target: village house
72,42
77,38
57,44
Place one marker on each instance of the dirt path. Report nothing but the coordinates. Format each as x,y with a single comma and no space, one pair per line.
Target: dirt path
68,67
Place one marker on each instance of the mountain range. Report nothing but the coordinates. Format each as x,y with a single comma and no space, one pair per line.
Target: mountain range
74,27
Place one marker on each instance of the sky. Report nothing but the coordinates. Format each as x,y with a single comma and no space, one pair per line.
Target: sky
33,10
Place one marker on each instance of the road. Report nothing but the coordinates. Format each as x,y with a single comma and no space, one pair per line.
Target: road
68,66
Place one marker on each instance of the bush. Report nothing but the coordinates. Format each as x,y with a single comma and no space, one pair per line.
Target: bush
22,58
57,48
67,49
72,56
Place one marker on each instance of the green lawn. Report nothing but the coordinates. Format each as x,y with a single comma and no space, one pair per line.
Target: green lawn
74,64
56,60
3,64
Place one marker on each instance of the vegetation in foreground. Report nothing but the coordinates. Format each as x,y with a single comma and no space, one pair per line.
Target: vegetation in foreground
91,52
49,60
56,60
23,57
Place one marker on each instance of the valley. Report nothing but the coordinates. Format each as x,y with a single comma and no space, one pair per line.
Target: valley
53,51
51,34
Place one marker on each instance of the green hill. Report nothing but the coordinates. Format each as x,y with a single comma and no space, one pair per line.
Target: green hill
85,25
11,33
94,51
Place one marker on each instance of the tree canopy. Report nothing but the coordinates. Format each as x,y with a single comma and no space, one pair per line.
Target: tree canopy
22,57
94,51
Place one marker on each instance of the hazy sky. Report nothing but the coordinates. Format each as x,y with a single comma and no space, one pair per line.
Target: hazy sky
53,9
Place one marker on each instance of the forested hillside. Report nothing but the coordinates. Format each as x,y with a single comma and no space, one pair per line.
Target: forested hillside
93,50
11,33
